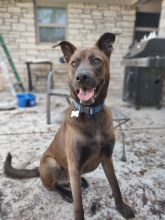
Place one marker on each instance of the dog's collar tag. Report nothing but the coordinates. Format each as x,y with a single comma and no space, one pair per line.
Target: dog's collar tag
75,113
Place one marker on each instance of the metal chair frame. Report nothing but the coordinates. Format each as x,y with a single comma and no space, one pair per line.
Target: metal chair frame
54,92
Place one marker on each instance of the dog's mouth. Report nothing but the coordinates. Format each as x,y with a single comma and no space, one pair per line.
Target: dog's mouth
87,94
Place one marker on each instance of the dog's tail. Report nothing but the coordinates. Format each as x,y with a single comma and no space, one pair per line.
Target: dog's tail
18,173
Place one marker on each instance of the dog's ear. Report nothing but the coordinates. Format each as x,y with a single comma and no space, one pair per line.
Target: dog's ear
67,49
105,43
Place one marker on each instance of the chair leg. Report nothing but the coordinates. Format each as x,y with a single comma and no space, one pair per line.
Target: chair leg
48,108
123,158
68,100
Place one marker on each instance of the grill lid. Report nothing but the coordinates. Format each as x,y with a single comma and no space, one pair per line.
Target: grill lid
150,48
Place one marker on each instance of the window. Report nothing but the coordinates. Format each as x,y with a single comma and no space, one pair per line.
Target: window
51,24
146,22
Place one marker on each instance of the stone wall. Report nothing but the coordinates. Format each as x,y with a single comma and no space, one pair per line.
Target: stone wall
162,34
162,21
86,22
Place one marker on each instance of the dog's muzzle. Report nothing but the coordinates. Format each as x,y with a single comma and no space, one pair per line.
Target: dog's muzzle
85,85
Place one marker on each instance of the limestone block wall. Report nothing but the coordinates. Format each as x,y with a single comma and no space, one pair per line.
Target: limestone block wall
162,20
162,34
86,22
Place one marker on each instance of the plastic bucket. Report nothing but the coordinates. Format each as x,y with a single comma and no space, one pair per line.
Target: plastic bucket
31,99
26,100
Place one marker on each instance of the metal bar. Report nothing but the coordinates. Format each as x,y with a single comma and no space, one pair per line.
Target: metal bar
123,158
29,77
51,25
123,121
12,65
149,29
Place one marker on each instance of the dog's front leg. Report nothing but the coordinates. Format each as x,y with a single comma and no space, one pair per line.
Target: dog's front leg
123,208
75,183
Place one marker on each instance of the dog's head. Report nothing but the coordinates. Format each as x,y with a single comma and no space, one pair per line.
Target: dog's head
89,69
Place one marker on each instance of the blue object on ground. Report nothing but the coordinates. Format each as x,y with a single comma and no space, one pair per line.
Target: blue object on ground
26,100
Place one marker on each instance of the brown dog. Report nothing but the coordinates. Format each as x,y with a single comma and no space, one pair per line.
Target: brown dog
86,137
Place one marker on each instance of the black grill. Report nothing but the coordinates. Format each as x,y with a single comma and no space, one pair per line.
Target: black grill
144,68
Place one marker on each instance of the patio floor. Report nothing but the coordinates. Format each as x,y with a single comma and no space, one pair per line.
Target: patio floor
26,135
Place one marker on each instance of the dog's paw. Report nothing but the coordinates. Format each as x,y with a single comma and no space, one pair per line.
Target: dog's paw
84,183
125,211
65,193
68,197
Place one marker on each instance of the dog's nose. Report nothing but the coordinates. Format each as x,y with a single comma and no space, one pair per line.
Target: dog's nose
82,76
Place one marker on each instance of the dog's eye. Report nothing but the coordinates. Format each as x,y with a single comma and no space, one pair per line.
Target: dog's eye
73,63
97,61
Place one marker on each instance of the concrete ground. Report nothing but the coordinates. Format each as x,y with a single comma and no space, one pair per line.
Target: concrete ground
26,135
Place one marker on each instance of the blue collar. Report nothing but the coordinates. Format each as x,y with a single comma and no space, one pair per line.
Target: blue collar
87,109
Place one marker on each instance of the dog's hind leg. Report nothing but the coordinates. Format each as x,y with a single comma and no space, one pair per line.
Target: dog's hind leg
84,183
53,176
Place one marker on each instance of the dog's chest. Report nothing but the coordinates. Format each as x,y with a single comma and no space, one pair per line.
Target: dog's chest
91,151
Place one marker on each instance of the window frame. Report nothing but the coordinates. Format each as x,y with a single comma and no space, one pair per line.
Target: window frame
145,28
39,25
